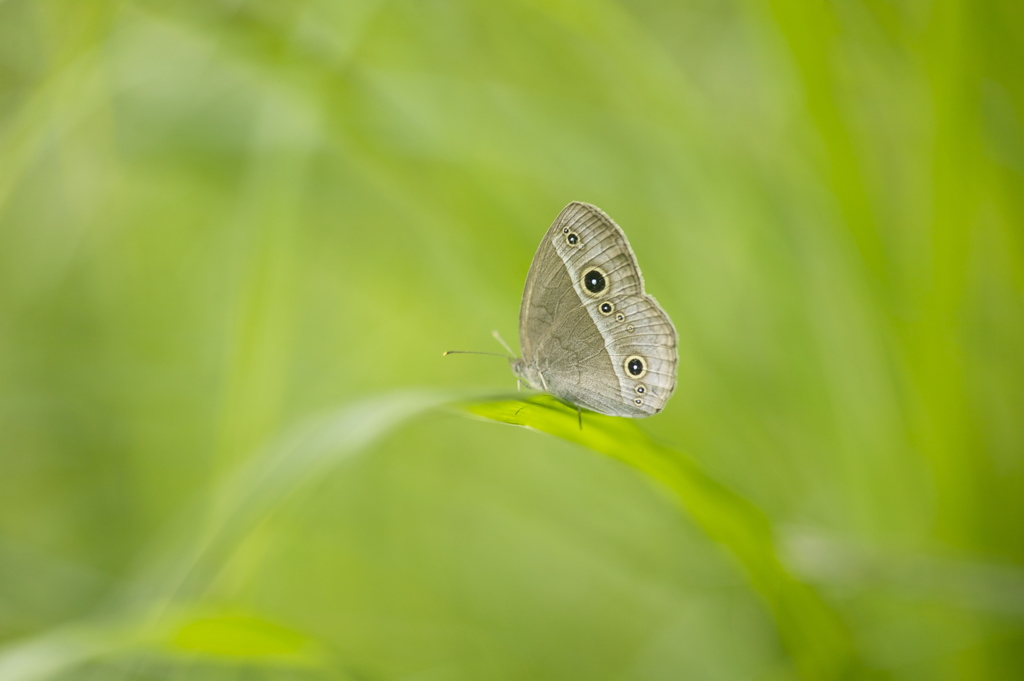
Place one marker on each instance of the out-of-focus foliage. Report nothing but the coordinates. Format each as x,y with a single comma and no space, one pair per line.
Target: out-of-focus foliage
235,237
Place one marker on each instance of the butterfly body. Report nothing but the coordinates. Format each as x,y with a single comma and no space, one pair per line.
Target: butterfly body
589,333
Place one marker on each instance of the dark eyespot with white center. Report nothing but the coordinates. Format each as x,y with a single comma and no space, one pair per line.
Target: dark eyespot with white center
630,328
606,308
565,230
640,390
638,402
620,317
635,366
572,239
594,281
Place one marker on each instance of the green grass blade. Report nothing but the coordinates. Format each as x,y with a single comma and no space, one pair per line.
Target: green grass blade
813,634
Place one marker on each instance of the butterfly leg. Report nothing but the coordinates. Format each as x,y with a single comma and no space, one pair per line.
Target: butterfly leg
579,415
544,382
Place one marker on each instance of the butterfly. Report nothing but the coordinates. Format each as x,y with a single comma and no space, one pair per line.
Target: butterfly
589,333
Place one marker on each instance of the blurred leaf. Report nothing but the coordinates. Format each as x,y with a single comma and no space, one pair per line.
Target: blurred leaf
242,636
55,652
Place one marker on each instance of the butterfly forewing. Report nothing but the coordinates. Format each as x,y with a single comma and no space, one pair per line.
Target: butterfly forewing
587,328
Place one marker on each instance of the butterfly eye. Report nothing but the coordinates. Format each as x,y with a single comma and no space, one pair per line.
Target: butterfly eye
635,366
595,281
572,239
606,308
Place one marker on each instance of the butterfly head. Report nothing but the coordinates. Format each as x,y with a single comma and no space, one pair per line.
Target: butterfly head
527,373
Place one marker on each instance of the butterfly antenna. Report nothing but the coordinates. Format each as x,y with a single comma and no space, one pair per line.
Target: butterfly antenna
471,352
497,337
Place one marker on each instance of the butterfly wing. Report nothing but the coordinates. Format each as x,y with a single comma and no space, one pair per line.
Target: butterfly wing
587,327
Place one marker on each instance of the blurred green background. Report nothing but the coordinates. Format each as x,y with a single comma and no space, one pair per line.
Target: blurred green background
227,225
